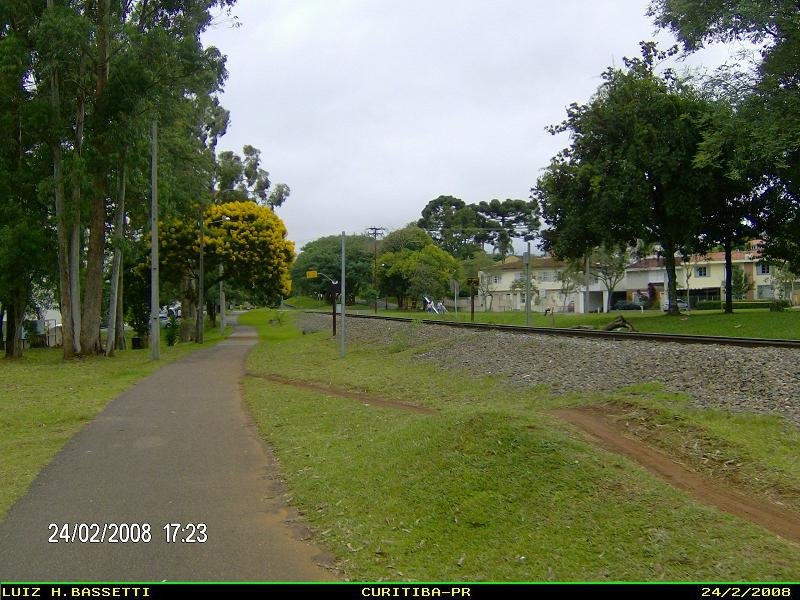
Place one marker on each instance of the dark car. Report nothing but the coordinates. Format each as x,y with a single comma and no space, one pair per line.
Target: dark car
626,305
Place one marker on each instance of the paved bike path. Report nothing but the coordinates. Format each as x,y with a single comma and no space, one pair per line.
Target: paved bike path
179,447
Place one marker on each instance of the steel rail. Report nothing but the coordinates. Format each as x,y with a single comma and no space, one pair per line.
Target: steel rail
598,334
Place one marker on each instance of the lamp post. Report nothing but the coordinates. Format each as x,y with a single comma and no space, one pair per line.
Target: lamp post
334,283
527,261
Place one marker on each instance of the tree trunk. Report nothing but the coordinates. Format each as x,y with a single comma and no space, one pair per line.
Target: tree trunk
211,309
187,319
2,316
121,342
75,241
65,299
672,283
93,294
75,271
728,273
16,310
119,225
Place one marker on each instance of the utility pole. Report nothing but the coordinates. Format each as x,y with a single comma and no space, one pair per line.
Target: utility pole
528,286
344,301
586,284
374,233
472,282
155,326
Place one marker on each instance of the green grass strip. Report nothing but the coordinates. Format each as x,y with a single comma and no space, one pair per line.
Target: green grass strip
492,487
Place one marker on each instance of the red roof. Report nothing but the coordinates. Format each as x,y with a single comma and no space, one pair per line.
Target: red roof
736,256
514,263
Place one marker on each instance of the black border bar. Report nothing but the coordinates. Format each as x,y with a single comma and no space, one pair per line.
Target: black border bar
371,590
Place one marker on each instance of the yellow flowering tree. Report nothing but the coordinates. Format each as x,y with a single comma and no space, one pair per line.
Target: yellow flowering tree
247,240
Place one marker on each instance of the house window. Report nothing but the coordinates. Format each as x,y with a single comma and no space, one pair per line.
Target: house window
763,268
701,271
546,276
495,279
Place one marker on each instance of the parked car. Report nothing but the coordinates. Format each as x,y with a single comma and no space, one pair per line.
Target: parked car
169,311
626,305
682,305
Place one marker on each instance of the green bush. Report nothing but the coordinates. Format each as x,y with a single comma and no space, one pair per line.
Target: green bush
173,328
737,304
708,305
779,305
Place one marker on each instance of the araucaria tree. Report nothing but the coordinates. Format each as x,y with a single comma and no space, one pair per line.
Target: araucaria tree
628,173
463,229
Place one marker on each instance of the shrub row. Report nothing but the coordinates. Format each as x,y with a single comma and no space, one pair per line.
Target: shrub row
719,305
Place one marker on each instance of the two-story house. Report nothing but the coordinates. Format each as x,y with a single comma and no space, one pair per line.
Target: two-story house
503,286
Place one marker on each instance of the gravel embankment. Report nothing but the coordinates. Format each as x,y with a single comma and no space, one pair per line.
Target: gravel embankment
762,380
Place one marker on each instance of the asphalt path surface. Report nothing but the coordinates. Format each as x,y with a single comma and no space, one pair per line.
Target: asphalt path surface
180,454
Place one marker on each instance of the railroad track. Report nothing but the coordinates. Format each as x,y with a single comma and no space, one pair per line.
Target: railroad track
593,333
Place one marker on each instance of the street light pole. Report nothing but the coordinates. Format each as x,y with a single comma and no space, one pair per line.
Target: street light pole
528,286
334,283
342,332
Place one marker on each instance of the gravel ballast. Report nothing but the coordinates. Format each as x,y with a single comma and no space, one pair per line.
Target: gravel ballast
761,380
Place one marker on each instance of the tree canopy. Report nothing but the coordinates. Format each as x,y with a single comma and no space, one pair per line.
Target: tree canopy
410,272
81,84
454,226
324,255
628,173
767,102
410,237
463,229
95,75
247,240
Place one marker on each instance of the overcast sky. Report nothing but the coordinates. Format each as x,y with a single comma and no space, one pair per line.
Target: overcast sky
368,109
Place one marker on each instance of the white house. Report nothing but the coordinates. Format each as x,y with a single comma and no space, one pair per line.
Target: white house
502,287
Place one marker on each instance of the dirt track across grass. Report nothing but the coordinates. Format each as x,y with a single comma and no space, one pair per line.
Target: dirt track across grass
365,399
761,511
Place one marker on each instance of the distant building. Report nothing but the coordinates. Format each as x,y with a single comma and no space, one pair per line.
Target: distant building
502,288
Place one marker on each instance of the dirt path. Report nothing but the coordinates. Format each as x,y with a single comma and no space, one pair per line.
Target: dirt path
365,399
769,515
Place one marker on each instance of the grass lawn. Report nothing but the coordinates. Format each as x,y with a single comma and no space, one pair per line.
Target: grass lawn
305,303
45,400
742,323
494,487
